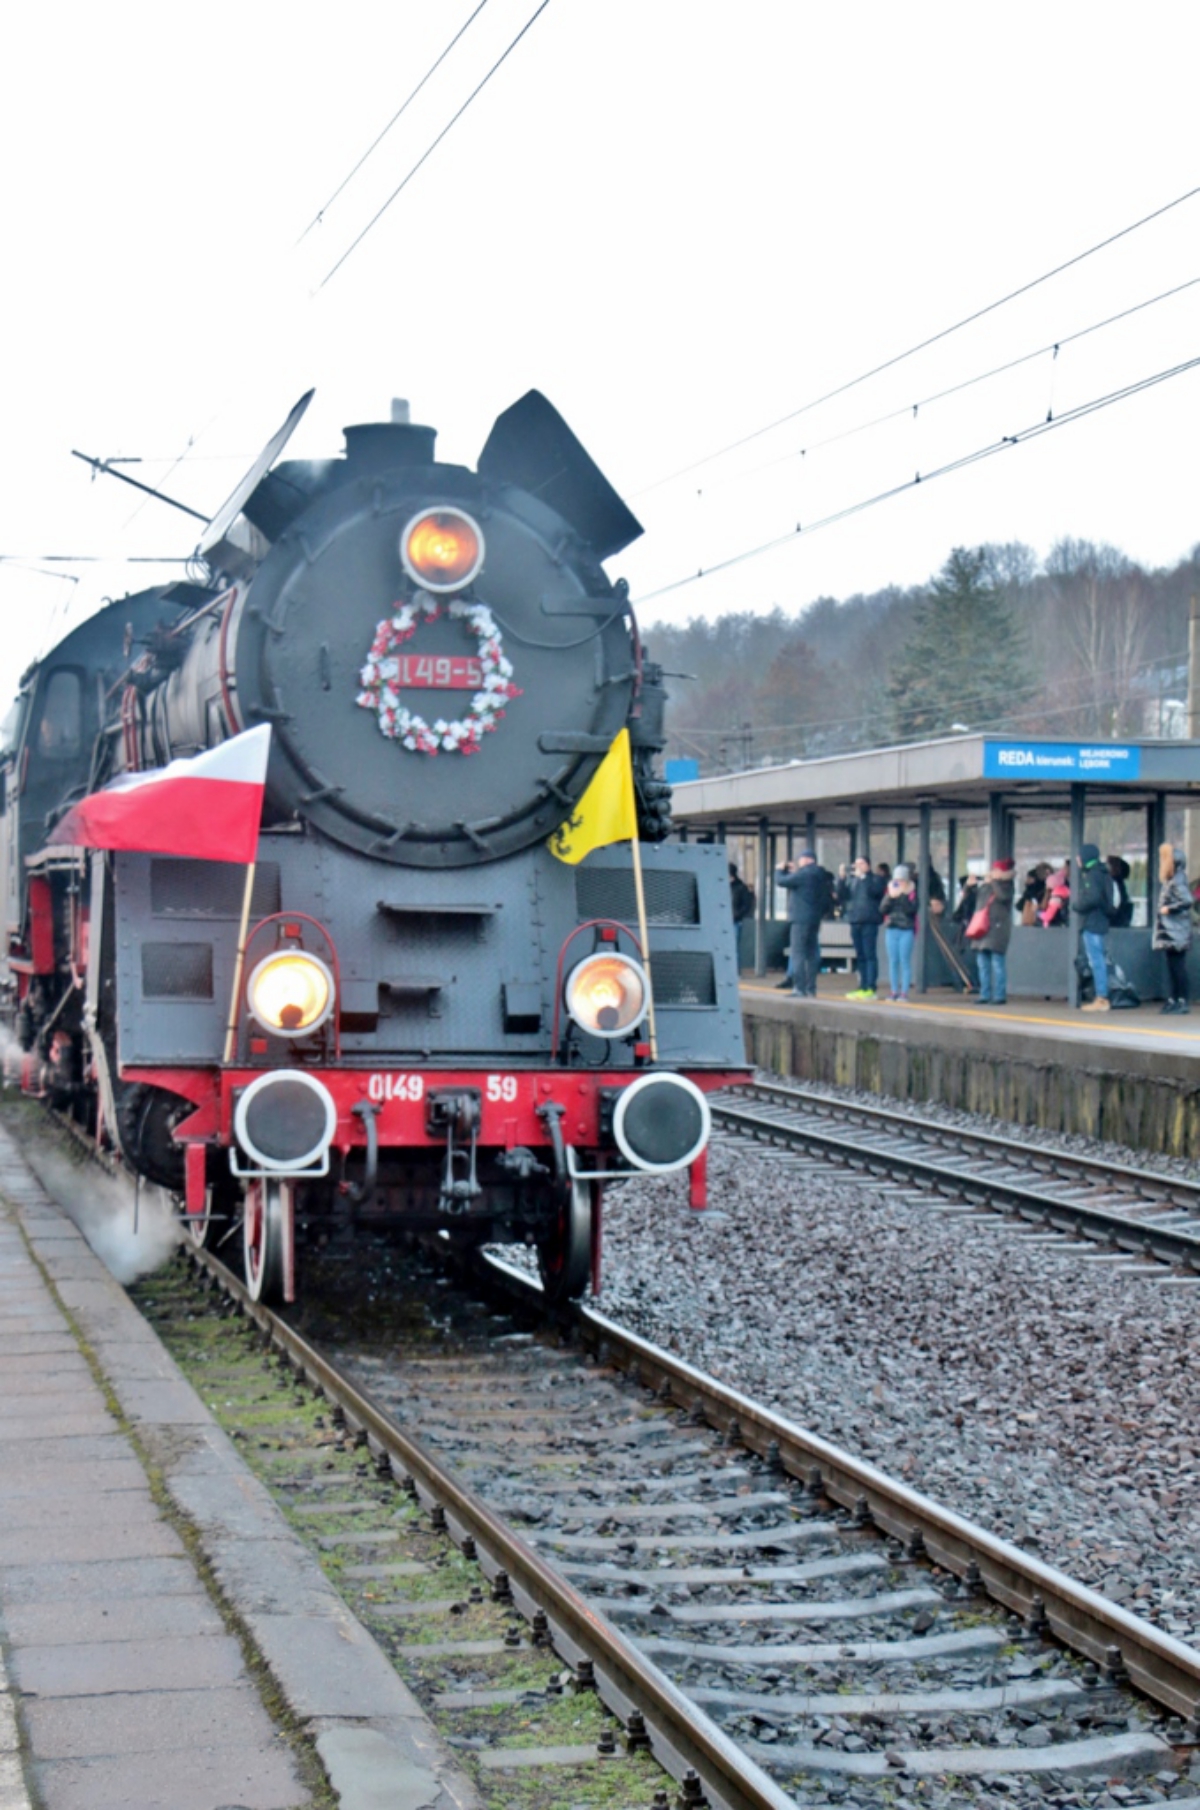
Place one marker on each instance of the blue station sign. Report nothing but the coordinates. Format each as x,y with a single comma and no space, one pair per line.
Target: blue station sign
1061,760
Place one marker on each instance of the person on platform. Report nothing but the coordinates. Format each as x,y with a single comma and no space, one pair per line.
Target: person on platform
741,896
1053,915
900,931
964,911
810,887
863,912
1173,925
991,949
1118,869
1093,901
1033,898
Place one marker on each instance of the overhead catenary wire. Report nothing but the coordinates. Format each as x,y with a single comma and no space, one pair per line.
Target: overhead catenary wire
430,149
932,339
1033,432
321,212
907,409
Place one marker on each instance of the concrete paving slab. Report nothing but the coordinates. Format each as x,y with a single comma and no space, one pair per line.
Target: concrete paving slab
343,1671
131,1722
97,1583
221,1778
114,1619
37,1477
32,1429
100,1668
158,1399
13,1795
78,1509
65,1385
369,1772
98,1544
75,1449
66,1363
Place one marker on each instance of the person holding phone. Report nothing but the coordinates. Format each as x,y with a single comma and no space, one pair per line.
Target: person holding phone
900,931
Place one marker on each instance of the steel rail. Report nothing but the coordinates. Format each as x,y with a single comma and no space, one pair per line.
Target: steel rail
1165,1669
1150,1184
682,1737
1103,1224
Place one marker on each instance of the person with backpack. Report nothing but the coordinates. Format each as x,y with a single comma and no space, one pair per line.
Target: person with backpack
810,887
1093,900
1173,925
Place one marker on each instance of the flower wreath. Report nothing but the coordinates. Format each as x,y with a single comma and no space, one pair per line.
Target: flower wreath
396,721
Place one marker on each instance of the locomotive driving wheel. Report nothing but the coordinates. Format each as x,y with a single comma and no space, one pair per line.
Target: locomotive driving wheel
565,1250
266,1239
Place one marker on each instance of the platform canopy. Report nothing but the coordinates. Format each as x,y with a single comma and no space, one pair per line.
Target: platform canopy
962,775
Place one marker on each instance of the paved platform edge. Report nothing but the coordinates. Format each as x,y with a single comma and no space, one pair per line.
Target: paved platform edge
1113,1043
378,1748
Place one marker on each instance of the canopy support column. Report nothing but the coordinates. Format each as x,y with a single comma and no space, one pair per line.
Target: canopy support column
1078,824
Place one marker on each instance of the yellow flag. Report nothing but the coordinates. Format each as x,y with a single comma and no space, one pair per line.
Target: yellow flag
606,813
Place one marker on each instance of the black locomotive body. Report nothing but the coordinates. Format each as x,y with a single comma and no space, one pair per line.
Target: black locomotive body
410,1005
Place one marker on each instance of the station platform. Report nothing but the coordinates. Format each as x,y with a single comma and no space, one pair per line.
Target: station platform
149,1586
1130,1076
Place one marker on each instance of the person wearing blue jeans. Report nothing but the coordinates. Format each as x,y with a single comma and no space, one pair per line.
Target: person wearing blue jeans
899,931
1094,903
991,949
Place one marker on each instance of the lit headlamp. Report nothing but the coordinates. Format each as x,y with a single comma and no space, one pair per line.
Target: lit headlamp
608,994
442,550
291,992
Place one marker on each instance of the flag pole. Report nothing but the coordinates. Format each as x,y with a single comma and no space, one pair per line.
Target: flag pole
645,940
239,964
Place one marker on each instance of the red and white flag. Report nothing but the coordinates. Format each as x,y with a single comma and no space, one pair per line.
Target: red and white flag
208,808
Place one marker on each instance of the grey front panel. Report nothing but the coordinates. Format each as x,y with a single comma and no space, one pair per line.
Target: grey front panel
428,958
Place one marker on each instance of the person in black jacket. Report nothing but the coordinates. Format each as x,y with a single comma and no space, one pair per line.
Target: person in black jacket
811,897
1093,902
1118,868
862,911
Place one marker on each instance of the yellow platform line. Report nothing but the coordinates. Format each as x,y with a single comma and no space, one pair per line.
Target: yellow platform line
1057,1024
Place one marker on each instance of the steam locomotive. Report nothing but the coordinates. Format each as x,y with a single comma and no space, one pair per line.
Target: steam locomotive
416,1010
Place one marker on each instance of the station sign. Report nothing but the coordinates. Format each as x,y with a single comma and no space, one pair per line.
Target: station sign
1062,760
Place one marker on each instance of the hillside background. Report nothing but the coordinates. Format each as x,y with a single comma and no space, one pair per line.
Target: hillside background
1087,644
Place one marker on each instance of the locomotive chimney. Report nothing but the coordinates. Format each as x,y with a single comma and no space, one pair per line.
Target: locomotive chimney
400,414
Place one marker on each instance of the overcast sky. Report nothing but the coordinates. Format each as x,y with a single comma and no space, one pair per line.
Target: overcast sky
683,221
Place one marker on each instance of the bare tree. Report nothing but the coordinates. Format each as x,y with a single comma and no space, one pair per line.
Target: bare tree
1102,607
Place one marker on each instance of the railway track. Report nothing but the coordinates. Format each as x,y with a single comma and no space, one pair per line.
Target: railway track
1140,1212
777,1621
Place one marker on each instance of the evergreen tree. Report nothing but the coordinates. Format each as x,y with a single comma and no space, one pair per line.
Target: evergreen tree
964,661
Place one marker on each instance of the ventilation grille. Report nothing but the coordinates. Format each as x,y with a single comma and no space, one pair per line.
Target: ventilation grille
177,971
682,977
608,892
211,889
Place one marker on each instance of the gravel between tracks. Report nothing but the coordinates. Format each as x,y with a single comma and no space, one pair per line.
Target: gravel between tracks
1051,1398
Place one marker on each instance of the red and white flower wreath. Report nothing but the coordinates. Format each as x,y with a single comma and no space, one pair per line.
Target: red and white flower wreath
378,678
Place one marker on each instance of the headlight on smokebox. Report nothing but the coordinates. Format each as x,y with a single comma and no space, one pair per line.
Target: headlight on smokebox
661,1123
285,1120
291,993
608,994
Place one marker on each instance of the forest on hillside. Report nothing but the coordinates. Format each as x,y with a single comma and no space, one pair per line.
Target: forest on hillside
1087,644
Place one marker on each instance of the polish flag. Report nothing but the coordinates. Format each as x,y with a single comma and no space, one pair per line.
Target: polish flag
208,808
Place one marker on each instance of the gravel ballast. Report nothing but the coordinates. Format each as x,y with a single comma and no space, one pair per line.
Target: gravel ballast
1048,1395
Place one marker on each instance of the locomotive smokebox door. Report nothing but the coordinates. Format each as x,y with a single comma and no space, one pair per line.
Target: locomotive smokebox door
440,655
